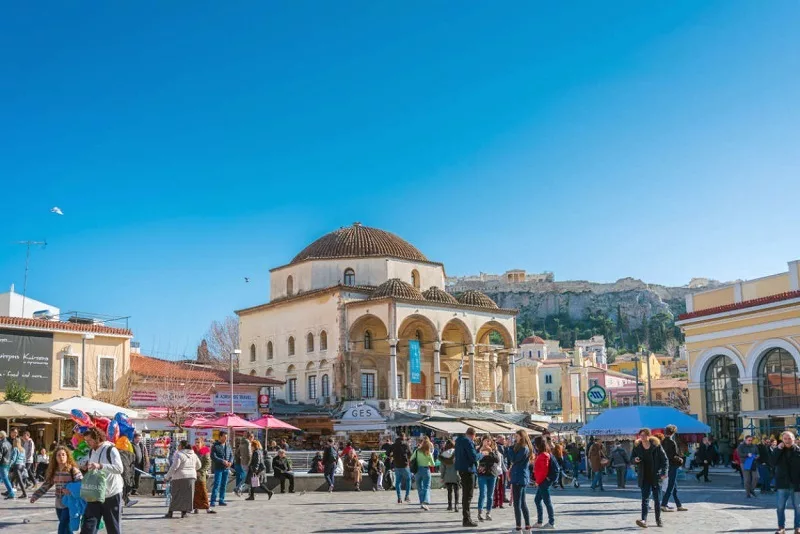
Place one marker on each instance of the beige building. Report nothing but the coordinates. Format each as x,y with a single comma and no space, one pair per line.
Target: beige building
346,313
743,349
60,359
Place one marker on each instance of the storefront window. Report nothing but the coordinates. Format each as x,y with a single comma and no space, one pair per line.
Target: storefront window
778,384
312,387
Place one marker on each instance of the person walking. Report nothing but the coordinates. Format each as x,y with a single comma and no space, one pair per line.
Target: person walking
542,474
182,475
703,459
450,478
19,473
466,460
329,460
282,468
141,461
620,462
675,460
520,476
558,457
401,453
598,461
502,479
30,452
104,456
489,468
423,457
221,461
652,462
376,468
389,468
255,468
748,452
61,471
201,482
785,458
5,465
765,465
241,462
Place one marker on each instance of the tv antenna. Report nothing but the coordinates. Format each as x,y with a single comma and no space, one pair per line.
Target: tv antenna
28,245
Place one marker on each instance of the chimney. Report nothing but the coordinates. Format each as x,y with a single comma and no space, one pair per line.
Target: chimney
135,347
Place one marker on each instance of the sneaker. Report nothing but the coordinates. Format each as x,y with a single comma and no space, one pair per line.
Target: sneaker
407,500
537,526
237,492
330,489
131,502
667,508
488,516
449,507
642,524
480,516
548,526
682,509
425,507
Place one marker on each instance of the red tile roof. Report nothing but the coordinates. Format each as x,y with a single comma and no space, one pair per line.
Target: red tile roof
44,324
147,366
669,383
740,305
532,340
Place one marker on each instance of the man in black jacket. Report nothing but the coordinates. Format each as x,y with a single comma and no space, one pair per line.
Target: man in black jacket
786,461
703,457
401,453
329,460
651,462
675,460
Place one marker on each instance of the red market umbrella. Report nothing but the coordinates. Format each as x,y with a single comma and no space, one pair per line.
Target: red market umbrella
194,422
227,421
270,422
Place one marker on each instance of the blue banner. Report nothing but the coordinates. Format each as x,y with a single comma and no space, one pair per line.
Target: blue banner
413,355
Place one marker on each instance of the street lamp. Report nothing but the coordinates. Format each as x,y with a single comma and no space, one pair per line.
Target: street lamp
635,361
84,337
235,352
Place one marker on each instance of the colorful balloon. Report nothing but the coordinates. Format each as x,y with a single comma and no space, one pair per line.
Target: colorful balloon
123,443
81,417
113,431
102,423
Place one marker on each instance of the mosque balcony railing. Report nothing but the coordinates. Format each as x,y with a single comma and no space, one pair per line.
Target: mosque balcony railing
359,393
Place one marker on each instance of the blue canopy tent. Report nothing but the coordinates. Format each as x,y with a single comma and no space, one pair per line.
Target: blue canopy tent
627,421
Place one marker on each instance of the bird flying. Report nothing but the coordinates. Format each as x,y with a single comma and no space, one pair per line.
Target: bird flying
246,280
56,210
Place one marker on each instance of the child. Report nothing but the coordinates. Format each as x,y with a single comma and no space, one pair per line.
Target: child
61,471
450,475
42,461
376,469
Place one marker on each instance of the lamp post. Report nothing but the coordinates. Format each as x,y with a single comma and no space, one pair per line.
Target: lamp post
635,361
235,352
84,337
649,389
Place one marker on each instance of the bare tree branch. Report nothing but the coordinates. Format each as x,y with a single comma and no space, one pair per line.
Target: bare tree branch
220,341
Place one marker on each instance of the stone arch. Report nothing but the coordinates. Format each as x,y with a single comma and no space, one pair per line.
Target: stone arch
270,371
455,332
323,364
310,366
290,369
758,351
698,373
412,323
378,332
493,326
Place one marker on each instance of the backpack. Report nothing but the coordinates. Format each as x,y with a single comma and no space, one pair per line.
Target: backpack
553,470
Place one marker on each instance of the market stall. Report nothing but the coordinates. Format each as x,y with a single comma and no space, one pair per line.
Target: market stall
363,425
626,422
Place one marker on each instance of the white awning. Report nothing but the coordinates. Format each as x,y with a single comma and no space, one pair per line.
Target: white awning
447,427
488,426
360,427
513,428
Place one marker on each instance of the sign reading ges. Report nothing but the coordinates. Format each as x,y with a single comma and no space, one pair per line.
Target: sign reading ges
363,412
596,394
27,357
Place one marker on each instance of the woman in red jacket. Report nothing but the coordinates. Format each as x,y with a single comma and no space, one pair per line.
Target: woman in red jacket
541,470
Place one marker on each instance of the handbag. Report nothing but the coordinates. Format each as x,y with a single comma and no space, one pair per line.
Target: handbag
414,465
255,481
748,463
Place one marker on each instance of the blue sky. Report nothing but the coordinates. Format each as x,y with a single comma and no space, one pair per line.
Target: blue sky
192,144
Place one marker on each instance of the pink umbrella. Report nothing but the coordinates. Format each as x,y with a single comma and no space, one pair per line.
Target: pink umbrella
194,422
227,421
270,422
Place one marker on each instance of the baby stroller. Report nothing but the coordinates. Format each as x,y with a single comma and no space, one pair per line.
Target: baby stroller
570,474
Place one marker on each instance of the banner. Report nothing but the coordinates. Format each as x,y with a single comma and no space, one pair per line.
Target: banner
413,355
27,357
242,402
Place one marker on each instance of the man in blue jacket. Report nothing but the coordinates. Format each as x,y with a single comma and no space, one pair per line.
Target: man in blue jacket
221,461
466,466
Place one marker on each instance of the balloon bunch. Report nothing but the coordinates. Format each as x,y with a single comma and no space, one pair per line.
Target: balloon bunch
119,430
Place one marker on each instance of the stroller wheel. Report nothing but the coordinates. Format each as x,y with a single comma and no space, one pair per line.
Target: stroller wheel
576,483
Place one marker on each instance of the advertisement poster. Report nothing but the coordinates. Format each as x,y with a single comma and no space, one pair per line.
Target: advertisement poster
413,355
27,357
242,402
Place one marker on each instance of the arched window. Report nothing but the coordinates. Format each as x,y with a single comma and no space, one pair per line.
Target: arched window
722,397
326,386
778,382
253,352
323,340
253,372
549,396
290,286
270,352
291,346
367,340
269,372
310,342
415,278
349,277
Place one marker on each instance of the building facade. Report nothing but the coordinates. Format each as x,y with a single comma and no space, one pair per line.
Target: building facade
351,311
743,350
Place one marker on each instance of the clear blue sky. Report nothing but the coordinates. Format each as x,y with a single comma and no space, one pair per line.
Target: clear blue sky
191,144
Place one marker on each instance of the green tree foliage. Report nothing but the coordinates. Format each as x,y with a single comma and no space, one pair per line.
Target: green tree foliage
16,392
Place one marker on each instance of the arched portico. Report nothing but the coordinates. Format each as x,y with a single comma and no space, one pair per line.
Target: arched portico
366,360
707,356
458,350
420,328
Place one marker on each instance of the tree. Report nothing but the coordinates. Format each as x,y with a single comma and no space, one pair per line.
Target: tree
221,340
16,392
678,400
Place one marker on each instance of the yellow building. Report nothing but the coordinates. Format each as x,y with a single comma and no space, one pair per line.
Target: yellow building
60,359
743,347
625,364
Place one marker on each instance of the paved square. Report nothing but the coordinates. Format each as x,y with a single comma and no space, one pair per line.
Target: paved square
716,507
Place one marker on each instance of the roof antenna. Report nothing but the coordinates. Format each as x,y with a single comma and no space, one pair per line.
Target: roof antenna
27,265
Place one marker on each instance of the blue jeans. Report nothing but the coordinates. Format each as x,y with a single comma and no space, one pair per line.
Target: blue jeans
520,506
240,476
6,482
220,486
543,495
402,477
63,521
597,480
486,492
423,479
330,470
672,487
784,495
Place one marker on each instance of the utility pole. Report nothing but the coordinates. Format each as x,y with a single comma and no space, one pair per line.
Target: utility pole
635,360
649,389
27,265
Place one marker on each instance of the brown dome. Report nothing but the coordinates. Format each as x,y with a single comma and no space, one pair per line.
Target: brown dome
360,242
398,289
476,298
434,294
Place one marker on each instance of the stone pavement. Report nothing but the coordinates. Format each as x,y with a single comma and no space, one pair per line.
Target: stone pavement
716,507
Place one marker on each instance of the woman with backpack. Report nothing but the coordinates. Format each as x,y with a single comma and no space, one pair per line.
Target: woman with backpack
422,460
256,467
450,476
60,471
545,472
489,468
18,472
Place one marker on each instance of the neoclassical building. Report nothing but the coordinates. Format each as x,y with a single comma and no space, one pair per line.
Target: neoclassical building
341,316
743,347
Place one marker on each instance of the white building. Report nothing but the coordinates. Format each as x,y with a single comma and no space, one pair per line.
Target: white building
346,313
13,304
595,345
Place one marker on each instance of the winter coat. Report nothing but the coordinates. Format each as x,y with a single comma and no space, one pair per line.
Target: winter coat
744,450
185,465
376,467
671,449
256,465
787,467
448,467
220,453
658,456
281,465
541,467
401,454
619,457
243,453
520,473
704,454
466,455
204,455
596,456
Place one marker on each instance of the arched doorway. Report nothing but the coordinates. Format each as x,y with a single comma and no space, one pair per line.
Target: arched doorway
722,397
419,391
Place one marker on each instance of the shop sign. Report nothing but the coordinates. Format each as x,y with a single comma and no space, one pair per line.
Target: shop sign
170,398
263,401
362,412
242,402
413,354
27,358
